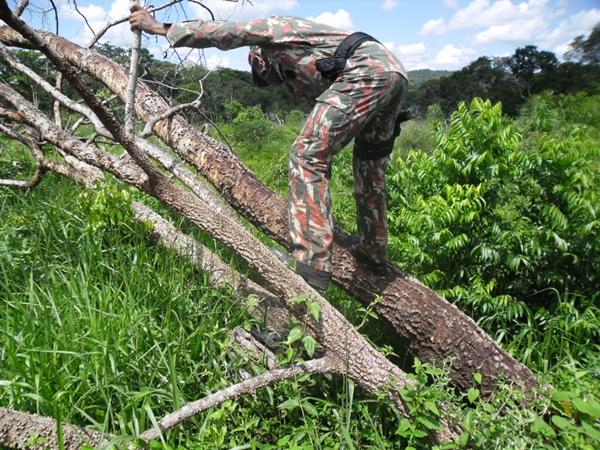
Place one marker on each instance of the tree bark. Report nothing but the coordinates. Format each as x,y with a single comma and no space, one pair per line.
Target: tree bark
431,327
19,430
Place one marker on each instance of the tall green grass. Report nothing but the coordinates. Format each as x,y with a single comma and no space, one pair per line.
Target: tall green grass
101,327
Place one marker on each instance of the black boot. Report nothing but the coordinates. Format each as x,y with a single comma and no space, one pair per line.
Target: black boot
378,268
316,278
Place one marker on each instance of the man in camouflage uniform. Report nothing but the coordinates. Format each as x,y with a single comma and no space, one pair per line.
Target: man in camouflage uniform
361,101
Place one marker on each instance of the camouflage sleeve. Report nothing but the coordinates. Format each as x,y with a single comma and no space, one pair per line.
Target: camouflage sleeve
224,36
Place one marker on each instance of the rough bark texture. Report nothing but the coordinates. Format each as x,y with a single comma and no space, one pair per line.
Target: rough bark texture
16,432
431,327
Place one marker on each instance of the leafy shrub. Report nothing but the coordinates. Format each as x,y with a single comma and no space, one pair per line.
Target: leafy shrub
499,219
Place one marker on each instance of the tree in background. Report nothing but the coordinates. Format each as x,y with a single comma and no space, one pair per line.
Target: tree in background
586,51
527,64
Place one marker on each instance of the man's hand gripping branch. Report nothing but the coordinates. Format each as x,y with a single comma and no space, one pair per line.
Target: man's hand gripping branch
141,19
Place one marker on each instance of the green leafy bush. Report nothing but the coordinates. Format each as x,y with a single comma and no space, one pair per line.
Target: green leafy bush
503,215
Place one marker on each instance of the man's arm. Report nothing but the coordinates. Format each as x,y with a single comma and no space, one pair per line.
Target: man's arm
204,34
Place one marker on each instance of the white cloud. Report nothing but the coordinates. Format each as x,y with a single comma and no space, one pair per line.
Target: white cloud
452,4
97,17
480,13
215,61
452,58
576,25
242,11
412,56
517,31
437,27
388,5
340,19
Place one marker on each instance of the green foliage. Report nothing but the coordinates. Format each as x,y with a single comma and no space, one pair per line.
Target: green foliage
426,401
509,418
507,80
505,418
503,215
263,143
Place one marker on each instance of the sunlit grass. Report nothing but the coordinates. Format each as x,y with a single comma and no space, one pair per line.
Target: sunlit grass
101,327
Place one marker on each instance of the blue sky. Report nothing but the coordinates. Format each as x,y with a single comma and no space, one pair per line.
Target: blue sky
433,34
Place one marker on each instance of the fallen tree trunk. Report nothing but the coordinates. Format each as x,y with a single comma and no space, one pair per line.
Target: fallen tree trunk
431,327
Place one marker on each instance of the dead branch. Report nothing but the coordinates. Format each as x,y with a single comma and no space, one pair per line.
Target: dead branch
133,79
253,348
109,25
245,387
54,91
57,111
174,110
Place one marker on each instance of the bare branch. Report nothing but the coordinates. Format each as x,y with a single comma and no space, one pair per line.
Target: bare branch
57,111
37,154
165,115
254,348
21,7
108,25
133,77
83,16
245,387
56,93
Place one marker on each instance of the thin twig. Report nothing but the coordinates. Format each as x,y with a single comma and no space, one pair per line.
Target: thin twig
133,77
108,25
21,7
77,107
83,16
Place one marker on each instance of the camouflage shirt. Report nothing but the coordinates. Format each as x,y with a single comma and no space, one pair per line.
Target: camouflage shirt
292,45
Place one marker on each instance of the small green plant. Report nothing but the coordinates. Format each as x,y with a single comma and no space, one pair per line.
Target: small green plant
427,401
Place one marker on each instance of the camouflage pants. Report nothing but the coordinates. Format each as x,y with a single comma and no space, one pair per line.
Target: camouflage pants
365,108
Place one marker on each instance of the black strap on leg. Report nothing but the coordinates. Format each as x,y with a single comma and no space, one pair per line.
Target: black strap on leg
332,67
369,152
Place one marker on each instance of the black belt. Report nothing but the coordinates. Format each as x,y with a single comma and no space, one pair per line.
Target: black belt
332,67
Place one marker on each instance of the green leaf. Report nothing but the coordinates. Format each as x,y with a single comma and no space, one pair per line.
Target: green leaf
588,407
284,440
562,395
591,430
431,406
463,440
298,299
473,394
315,309
561,422
478,377
347,438
295,335
487,407
540,426
403,427
430,422
289,404
310,344
310,408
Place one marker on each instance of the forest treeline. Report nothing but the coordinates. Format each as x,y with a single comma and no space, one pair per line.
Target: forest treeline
510,80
